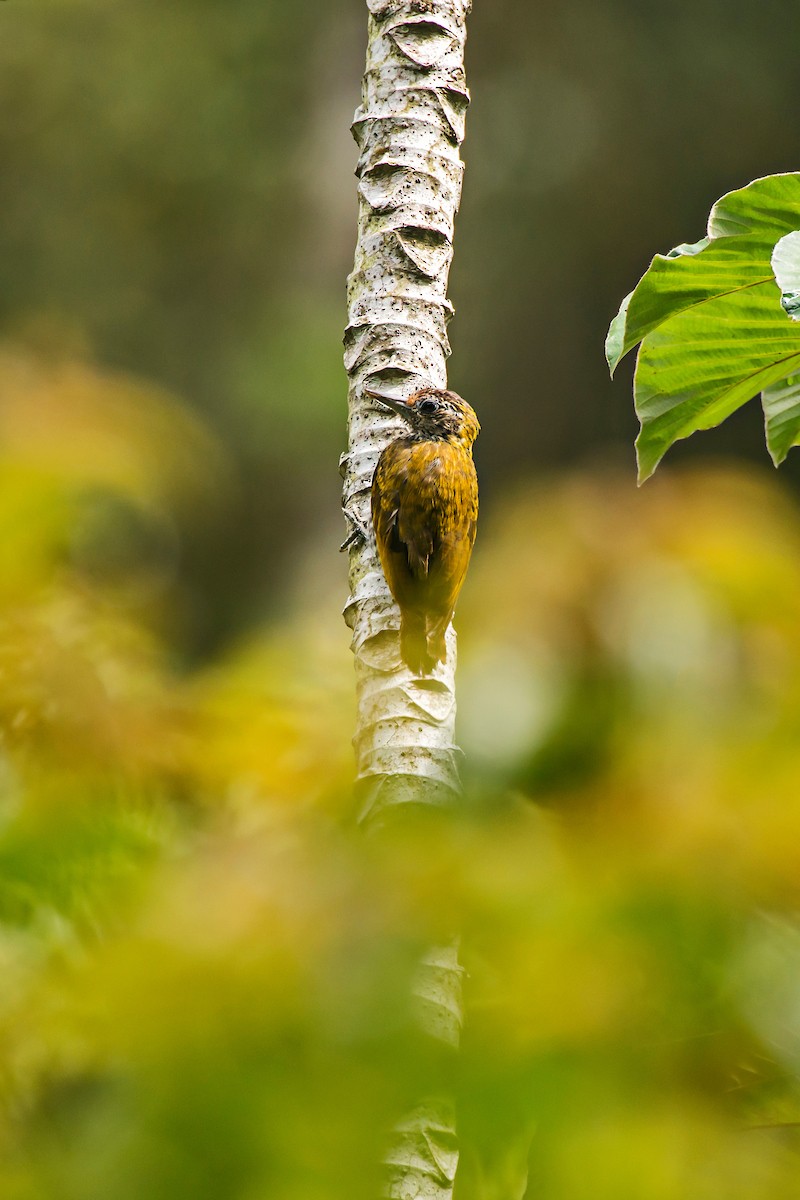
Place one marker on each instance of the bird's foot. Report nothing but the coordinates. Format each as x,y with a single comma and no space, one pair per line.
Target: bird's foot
358,535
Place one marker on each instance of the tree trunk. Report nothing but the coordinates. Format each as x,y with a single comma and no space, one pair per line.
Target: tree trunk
409,128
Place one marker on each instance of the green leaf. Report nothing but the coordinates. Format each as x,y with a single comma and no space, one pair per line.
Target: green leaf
770,206
786,267
781,404
711,320
707,361
615,338
688,248
686,277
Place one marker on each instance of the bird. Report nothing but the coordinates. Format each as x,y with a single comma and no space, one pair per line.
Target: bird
425,514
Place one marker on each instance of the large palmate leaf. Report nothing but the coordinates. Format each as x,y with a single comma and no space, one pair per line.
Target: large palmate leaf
688,276
712,322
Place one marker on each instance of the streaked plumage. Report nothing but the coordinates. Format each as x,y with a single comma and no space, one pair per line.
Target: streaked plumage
425,513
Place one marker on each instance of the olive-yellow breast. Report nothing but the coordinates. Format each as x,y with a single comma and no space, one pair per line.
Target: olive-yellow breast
425,515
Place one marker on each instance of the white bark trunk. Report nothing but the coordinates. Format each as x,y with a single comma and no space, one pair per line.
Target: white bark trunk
409,128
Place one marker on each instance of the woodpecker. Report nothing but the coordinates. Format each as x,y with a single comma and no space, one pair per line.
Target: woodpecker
425,515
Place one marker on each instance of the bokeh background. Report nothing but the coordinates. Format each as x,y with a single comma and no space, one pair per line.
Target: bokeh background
205,972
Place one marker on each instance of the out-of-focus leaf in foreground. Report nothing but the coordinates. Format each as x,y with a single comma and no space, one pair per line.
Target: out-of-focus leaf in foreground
208,972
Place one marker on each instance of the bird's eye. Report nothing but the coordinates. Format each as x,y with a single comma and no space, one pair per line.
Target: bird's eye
427,407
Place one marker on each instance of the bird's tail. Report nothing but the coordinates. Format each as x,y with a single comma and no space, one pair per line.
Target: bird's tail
421,647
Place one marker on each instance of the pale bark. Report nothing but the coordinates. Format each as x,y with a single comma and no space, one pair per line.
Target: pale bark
409,129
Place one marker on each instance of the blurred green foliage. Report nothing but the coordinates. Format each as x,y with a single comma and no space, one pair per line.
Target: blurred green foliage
206,970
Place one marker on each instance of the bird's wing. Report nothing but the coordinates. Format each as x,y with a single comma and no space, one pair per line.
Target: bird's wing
455,539
415,535
405,525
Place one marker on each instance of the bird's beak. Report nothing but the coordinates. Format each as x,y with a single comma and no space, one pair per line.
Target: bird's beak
390,402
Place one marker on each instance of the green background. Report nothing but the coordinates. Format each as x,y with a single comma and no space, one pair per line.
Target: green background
177,201
206,970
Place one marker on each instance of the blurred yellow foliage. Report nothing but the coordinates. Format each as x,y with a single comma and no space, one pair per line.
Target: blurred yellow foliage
207,971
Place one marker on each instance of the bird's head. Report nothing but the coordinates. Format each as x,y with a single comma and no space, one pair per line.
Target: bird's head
435,414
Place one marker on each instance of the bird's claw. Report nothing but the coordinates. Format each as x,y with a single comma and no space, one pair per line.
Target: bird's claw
358,534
